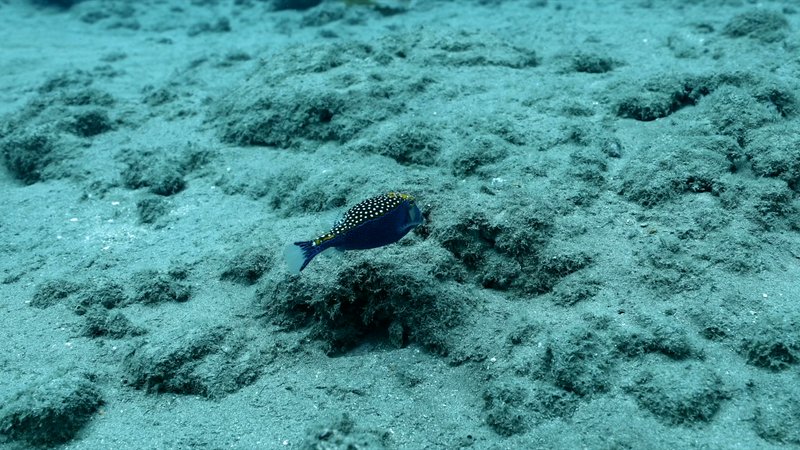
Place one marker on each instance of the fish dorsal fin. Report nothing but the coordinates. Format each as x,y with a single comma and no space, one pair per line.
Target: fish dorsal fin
339,220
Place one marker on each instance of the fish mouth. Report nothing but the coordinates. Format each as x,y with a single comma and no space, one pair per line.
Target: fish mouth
414,216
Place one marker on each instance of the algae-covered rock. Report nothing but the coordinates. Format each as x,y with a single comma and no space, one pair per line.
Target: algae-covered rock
50,412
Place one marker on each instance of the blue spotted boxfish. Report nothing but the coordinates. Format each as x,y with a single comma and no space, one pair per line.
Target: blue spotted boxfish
375,222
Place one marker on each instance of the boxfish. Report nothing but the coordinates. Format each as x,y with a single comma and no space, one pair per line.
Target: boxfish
375,222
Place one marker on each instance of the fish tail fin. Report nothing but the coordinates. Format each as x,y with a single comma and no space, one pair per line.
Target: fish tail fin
299,254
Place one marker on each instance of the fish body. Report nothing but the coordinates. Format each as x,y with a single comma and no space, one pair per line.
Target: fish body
375,222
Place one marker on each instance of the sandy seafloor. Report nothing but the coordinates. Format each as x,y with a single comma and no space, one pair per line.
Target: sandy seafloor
610,257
